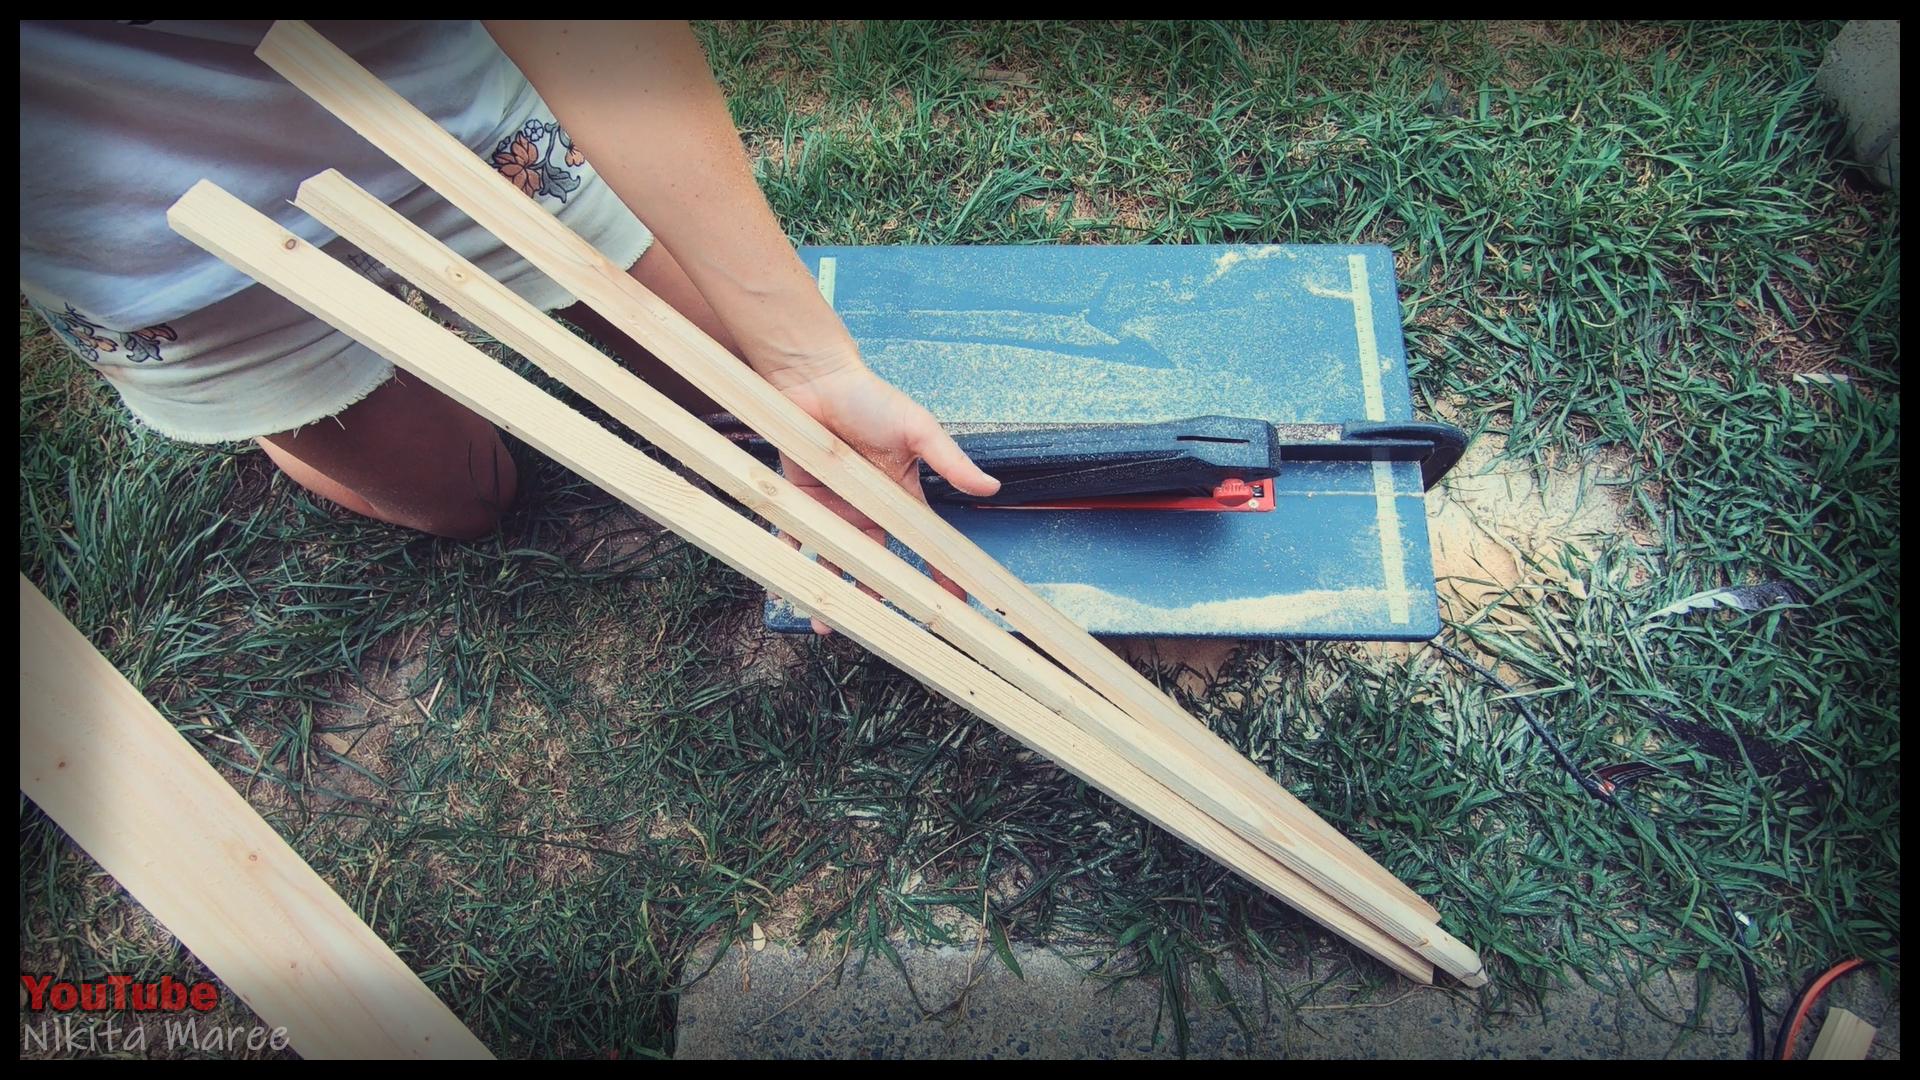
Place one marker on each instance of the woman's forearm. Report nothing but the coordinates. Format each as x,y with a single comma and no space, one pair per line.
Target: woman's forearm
639,100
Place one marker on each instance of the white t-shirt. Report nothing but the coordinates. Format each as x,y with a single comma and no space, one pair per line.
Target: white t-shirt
118,120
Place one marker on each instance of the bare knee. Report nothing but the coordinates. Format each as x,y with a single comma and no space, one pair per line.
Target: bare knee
475,509
408,456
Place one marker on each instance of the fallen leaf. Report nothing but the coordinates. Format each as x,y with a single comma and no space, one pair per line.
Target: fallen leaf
1745,598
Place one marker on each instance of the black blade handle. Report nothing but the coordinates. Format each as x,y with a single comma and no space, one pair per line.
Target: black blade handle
1179,456
1435,446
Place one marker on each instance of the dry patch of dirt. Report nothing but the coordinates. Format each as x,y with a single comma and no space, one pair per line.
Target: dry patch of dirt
358,727
800,905
602,538
1195,661
1499,528
1506,537
755,654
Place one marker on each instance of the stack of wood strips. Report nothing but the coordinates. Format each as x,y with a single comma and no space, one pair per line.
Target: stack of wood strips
1090,712
1085,708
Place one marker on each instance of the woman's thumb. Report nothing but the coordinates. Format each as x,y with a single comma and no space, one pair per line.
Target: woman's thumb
945,457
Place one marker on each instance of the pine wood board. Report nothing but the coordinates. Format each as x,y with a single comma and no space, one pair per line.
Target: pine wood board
137,797
1844,1037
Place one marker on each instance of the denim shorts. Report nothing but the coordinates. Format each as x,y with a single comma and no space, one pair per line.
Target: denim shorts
257,364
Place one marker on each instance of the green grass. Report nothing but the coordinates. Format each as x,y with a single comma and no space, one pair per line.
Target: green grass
1618,238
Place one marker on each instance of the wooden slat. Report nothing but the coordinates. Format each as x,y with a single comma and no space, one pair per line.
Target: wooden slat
110,771
248,240
333,79
1844,1037
386,235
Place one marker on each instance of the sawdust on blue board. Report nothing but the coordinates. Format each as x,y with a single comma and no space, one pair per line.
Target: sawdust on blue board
1233,257
1098,346
1328,610
1331,610
1306,611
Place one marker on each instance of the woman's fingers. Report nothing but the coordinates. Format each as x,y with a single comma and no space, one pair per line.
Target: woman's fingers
924,440
944,456
828,498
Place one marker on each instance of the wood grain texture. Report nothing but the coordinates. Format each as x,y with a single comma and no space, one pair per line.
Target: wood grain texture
1279,828
330,77
1844,1037
251,242
115,775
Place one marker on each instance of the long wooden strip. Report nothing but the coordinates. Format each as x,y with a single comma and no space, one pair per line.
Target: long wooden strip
345,88
388,236
249,241
109,769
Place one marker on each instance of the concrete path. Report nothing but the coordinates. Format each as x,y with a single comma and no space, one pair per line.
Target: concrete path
785,1003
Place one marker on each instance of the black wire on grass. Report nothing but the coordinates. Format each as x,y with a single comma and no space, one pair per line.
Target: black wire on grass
1756,1020
1587,783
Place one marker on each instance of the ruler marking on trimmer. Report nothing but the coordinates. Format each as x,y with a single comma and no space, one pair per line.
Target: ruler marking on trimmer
1392,560
829,271
1362,298
1393,563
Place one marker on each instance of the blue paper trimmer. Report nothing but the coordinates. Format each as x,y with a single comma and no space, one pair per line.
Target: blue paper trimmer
1193,441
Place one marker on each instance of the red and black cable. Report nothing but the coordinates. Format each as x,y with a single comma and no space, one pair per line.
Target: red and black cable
1797,1015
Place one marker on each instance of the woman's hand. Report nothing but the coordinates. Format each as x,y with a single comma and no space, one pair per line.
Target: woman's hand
891,430
640,97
